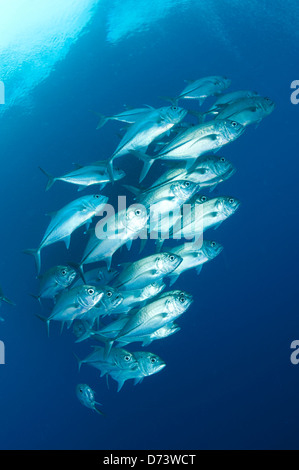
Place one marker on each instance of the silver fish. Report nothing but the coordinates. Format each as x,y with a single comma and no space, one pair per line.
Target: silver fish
141,134
86,396
203,88
196,141
135,297
85,176
248,111
111,299
164,332
165,198
230,98
118,359
67,220
122,229
148,364
129,116
167,308
204,214
207,171
145,271
54,281
194,256
98,276
74,304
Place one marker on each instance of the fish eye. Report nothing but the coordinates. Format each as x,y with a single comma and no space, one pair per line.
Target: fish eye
63,272
90,291
231,201
127,358
234,124
222,159
97,196
203,198
81,390
187,184
182,299
138,212
213,244
109,293
153,360
171,257
174,108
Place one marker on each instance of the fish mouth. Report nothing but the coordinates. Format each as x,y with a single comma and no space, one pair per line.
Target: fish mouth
160,367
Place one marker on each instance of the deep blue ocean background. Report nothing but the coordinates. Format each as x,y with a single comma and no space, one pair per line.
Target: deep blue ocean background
229,382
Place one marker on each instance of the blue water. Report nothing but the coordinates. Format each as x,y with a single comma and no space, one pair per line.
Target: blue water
229,382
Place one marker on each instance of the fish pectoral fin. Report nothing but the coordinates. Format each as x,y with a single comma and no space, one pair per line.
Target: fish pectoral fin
120,385
173,278
82,187
67,241
142,244
51,214
138,380
88,223
78,166
199,269
146,343
129,244
97,410
217,225
190,164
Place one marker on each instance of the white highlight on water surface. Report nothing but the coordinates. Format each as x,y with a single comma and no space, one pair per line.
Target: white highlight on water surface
35,34
127,17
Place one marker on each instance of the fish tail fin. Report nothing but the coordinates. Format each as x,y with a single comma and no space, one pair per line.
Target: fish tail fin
51,179
110,169
79,269
36,254
36,297
107,349
132,189
103,120
170,99
199,116
147,162
45,320
5,299
120,384
97,409
79,362
85,336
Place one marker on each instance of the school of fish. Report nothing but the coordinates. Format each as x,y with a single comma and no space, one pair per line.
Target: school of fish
118,306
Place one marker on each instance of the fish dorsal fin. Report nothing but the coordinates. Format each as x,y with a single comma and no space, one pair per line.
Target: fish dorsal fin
78,166
51,214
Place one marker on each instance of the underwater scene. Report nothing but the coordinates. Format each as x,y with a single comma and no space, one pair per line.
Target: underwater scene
149,224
